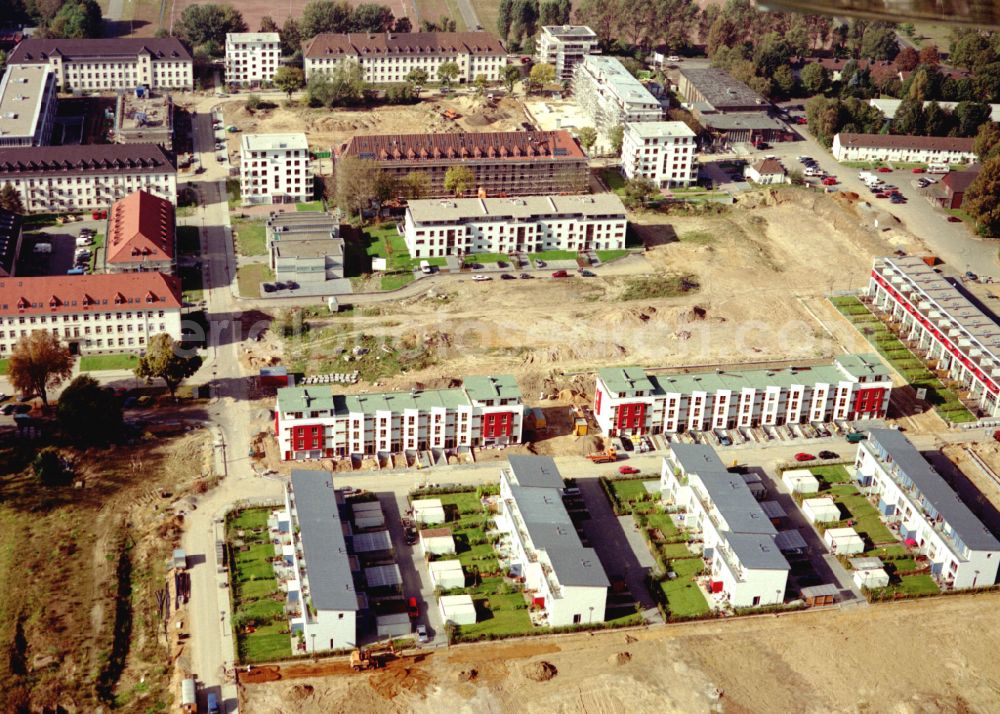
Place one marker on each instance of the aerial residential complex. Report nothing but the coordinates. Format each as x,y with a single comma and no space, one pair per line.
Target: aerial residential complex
739,541
55,179
731,111
560,575
461,226
943,325
918,503
305,247
321,597
252,58
314,422
91,313
630,401
274,168
144,118
140,235
388,58
610,95
663,152
110,64
512,163
565,46
27,105
906,148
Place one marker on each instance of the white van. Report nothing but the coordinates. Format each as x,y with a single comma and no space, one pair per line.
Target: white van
425,267
43,248
937,168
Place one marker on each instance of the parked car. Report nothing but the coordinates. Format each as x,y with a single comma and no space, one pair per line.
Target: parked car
212,702
560,274
969,275
829,455
829,181
803,456
4,397
507,276
801,121
411,536
588,273
481,278
539,263
422,637
884,170
8,409
526,276
918,170
628,470
413,608
97,215
954,219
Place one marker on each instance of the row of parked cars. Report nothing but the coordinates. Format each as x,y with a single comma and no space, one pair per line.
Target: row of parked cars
764,434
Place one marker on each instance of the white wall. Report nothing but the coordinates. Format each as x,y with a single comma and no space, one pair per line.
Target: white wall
768,585
585,604
334,630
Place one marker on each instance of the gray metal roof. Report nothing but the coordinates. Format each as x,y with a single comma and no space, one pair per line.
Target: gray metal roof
537,471
731,495
328,566
757,551
866,563
22,94
720,89
790,540
383,576
935,491
371,542
697,458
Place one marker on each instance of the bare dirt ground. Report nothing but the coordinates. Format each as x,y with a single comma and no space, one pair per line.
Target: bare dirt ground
988,451
333,127
810,662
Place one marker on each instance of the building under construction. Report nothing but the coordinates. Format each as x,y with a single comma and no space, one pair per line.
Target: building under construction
144,118
515,163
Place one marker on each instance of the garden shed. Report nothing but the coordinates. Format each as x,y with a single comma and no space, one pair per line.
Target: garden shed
820,510
844,541
871,578
428,510
447,574
800,481
457,609
437,541
819,595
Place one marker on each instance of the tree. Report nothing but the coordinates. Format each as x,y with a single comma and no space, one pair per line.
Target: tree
770,53
616,135
524,19
548,12
987,144
542,74
505,15
289,79
207,25
325,16
291,37
982,199
929,56
970,116
402,25
356,185
924,84
987,82
163,360
88,412
415,185
937,121
878,42
638,192
481,84
588,137
909,117
510,76
784,81
343,86
370,17
419,78
39,363
448,72
76,19
48,467
253,103
907,59
267,24
815,78
969,49
459,180
10,199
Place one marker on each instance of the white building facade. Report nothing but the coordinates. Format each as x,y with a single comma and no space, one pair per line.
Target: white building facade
942,324
664,152
461,226
561,576
630,401
916,502
388,58
91,314
903,148
60,179
610,95
274,168
27,105
111,64
252,58
746,567
565,46
313,422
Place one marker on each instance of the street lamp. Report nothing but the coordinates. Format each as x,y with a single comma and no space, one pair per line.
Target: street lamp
314,644
591,621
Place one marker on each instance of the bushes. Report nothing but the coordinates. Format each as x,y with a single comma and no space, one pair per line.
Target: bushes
455,635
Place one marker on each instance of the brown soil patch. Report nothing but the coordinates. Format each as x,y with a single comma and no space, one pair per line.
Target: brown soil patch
540,671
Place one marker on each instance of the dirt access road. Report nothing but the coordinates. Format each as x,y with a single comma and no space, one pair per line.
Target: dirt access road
819,661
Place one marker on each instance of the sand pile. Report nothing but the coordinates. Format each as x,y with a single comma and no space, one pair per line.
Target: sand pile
540,671
620,658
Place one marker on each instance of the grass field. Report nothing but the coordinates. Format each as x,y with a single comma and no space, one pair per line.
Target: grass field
613,180
608,255
4,366
665,286
396,281
310,206
97,363
251,238
684,597
487,12
915,585
555,255
866,521
254,584
486,258
384,241
249,278
434,10
97,245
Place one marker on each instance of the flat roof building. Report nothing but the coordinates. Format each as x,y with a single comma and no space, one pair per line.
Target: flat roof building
275,168
710,90
610,95
527,224
252,58
628,400
663,152
144,118
27,105
305,247
565,46
512,163
929,515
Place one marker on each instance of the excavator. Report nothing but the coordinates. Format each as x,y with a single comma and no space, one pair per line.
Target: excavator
372,657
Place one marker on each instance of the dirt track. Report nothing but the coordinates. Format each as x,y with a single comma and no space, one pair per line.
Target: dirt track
929,655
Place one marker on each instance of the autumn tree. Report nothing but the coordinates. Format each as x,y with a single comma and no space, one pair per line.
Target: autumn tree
289,79
357,185
10,199
163,360
459,180
982,199
907,59
39,362
206,26
448,72
987,143
815,78
588,137
415,185
510,76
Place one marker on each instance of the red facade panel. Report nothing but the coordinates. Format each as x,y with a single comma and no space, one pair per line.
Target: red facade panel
498,424
597,400
867,401
307,438
631,416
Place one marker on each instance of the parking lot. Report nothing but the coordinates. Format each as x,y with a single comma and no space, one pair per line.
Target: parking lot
62,256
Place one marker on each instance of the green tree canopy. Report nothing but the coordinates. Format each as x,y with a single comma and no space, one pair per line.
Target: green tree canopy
89,413
164,360
982,199
207,25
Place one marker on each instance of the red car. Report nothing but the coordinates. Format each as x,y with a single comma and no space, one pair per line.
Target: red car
97,215
801,120
884,170
829,181
413,608
803,456
560,274
632,470
919,170
881,194
954,219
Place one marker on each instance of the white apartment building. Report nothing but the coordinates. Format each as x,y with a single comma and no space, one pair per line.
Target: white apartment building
745,562
60,179
27,105
110,64
565,46
388,58
904,148
527,224
663,152
313,422
917,503
628,400
321,600
91,314
610,95
562,576
942,325
274,168
252,58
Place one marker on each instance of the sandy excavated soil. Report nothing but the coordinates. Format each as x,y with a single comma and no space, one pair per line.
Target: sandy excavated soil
850,661
988,451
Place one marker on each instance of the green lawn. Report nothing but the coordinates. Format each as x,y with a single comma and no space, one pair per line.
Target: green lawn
835,473
97,363
606,256
613,180
384,241
249,278
915,585
233,191
4,366
396,281
684,597
554,255
188,239
488,258
697,237
251,237
629,489
500,615
97,245
314,206
191,284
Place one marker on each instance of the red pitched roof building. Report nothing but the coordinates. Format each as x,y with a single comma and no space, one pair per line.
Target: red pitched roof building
91,313
140,234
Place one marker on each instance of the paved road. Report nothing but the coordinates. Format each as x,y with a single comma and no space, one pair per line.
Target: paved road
468,13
